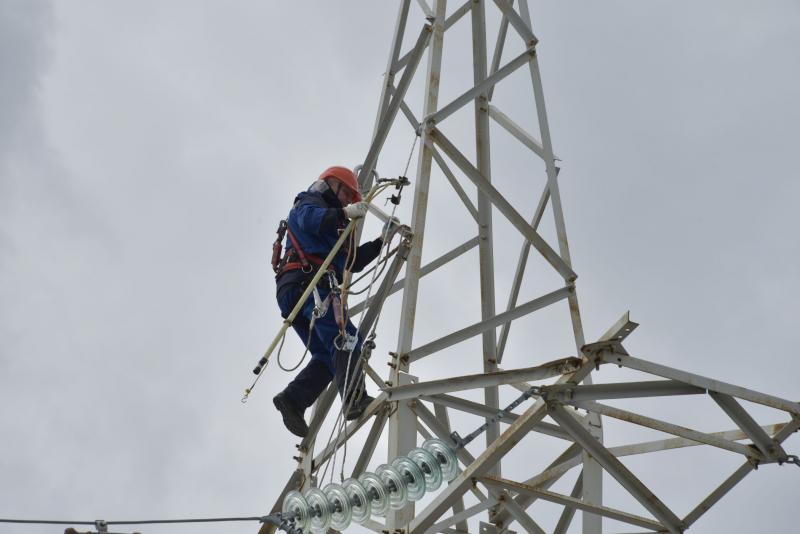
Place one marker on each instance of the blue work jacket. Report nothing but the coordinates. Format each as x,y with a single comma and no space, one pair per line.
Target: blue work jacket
316,220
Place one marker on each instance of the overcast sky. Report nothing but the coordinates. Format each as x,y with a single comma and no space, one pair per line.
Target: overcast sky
149,148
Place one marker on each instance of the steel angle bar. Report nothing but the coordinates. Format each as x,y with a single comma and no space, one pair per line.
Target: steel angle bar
485,226
503,205
370,443
493,322
482,410
646,447
662,426
481,87
440,430
522,263
621,329
449,21
735,478
655,388
514,129
454,182
463,515
422,431
388,77
743,420
482,380
321,409
425,270
384,290
374,526
498,51
615,468
373,375
425,8
545,479
394,106
443,418
412,119
408,307
517,22
349,430
565,500
521,517
488,458
702,382
568,513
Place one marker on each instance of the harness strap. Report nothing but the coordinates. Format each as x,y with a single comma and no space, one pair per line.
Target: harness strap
298,250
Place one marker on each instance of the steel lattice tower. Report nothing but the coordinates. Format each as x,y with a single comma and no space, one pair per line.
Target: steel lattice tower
413,406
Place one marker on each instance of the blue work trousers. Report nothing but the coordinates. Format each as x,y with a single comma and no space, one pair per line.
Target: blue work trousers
327,362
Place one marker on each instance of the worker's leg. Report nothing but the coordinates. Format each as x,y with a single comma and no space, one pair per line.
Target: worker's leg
339,349
309,383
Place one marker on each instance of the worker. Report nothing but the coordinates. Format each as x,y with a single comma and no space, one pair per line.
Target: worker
315,223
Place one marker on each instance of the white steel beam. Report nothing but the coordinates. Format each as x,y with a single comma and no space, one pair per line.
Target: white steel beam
615,468
522,27
449,21
519,514
349,430
387,119
512,435
498,50
489,324
370,443
565,500
700,381
482,410
394,53
503,205
662,426
402,438
456,186
623,390
568,513
516,130
735,478
425,270
768,447
496,378
479,88
522,262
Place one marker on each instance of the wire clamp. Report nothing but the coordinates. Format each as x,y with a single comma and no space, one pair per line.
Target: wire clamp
790,459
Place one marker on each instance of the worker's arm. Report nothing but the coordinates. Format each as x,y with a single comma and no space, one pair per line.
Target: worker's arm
315,219
366,253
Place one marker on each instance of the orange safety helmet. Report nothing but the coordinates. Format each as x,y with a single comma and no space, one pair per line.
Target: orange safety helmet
344,175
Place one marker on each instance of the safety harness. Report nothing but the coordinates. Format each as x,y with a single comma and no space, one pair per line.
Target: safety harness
295,257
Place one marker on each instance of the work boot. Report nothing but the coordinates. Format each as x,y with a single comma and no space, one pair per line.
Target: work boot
358,407
292,418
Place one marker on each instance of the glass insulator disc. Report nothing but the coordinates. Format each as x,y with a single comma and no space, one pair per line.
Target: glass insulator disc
360,504
341,510
395,484
376,492
295,509
429,466
415,480
320,519
446,456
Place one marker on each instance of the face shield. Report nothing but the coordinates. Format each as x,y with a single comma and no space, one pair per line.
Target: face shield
319,186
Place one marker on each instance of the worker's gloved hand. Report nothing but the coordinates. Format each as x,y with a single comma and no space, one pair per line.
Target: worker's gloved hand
389,229
356,210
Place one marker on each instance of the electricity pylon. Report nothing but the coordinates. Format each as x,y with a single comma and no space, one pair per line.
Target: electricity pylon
412,406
